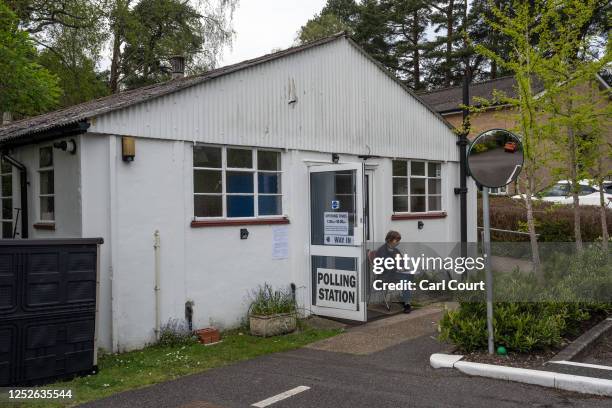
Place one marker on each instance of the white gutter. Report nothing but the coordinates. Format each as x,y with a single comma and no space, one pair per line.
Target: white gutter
157,289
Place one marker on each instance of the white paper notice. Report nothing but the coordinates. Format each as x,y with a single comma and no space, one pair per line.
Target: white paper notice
280,242
336,223
336,228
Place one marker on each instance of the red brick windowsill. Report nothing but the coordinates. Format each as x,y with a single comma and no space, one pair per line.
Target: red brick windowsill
229,223
50,226
418,216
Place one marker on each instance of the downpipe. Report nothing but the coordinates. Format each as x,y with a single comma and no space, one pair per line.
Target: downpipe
157,289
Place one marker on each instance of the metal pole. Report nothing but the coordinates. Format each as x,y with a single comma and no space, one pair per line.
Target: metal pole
486,242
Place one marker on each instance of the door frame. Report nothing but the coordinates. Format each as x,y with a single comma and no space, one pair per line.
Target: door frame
356,250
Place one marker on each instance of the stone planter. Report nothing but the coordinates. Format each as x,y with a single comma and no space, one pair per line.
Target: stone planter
266,326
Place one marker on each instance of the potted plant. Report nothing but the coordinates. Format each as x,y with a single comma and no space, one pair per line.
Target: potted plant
272,312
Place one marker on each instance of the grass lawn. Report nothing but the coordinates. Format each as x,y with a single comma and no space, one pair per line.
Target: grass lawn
135,369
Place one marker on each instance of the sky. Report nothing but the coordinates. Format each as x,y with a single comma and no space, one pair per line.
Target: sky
265,25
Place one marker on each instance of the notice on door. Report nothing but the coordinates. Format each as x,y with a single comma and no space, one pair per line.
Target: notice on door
336,288
336,228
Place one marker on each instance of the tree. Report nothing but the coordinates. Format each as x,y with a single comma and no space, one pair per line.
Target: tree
372,32
346,10
62,26
479,32
321,26
77,76
446,50
574,113
72,54
522,23
26,88
408,22
146,33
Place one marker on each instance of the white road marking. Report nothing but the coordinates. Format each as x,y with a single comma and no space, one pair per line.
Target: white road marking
280,397
573,363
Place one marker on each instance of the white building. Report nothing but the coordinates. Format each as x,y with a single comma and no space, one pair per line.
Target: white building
250,146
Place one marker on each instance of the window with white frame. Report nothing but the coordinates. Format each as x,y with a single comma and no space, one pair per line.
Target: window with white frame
417,186
236,182
6,199
499,190
46,185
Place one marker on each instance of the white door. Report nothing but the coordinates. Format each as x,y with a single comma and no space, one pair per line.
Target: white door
336,237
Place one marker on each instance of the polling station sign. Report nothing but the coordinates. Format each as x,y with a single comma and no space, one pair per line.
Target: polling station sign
336,288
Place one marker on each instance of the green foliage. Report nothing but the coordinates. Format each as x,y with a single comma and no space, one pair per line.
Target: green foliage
549,313
175,333
25,86
266,301
161,28
553,222
78,78
321,26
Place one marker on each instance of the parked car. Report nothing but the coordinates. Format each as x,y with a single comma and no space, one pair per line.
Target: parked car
510,147
560,193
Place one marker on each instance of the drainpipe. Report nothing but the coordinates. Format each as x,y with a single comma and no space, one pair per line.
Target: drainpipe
463,143
156,247
23,181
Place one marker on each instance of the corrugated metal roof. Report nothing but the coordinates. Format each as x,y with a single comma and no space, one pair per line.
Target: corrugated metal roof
121,100
450,99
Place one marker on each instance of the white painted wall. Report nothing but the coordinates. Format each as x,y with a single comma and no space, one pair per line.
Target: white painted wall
211,266
96,168
67,190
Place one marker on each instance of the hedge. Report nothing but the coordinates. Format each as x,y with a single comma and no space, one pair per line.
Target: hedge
554,222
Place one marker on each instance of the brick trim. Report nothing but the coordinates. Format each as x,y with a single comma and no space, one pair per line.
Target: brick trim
229,223
417,216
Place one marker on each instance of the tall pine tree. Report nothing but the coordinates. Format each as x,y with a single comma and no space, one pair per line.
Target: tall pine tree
407,26
446,50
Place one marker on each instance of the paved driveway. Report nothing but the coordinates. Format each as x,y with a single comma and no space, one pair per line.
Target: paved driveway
383,364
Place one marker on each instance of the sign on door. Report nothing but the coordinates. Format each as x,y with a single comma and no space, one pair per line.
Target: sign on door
336,228
336,288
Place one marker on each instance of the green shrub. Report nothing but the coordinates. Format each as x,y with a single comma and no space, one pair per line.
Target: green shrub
266,301
554,222
579,288
175,333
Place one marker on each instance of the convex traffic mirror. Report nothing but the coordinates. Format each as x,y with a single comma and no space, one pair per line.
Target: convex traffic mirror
495,158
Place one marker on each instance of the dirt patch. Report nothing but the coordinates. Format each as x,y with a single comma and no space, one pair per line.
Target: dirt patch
601,352
533,360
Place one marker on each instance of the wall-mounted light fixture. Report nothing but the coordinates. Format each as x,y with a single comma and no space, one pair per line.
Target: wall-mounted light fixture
244,233
128,148
67,146
420,225
335,158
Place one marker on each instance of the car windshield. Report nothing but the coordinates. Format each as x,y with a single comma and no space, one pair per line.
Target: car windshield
558,190
584,190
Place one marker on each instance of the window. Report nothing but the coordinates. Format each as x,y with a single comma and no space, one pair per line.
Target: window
499,190
236,182
6,199
417,186
46,187
586,190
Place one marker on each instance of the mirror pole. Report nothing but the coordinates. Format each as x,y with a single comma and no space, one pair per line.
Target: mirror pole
489,274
